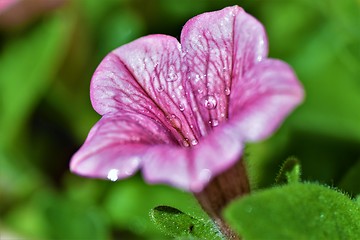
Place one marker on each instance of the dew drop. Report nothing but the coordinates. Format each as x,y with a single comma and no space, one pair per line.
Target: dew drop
194,142
172,75
210,102
113,175
186,142
181,107
227,91
214,122
197,78
160,88
174,121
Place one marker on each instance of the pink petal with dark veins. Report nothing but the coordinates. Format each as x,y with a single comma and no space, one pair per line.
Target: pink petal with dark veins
192,168
267,94
191,107
217,46
116,144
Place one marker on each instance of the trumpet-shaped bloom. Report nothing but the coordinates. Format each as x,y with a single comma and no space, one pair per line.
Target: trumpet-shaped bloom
181,112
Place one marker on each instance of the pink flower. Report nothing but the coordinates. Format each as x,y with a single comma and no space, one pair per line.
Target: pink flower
182,112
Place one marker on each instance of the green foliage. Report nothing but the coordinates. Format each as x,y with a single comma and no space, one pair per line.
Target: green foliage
178,224
48,216
27,67
295,211
126,206
290,171
45,114
350,181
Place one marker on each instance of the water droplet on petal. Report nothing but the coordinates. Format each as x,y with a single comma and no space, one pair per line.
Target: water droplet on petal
113,175
174,121
172,75
214,122
227,91
181,107
210,102
160,88
194,142
186,142
197,78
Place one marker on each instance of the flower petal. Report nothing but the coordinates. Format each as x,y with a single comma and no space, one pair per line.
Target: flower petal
192,168
217,46
144,76
6,4
116,144
263,97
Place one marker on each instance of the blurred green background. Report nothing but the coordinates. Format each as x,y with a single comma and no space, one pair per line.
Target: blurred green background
47,60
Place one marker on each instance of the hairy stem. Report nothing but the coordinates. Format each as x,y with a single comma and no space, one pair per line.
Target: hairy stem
220,191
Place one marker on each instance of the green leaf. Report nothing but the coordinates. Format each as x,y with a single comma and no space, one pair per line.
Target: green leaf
176,223
351,180
48,215
127,209
289,172
295,211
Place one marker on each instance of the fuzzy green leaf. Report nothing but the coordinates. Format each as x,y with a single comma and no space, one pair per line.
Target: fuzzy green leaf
350,182
178,224
295,211
289,172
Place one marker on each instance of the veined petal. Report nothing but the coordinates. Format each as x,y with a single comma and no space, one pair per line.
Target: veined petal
217,46
144,76
263,97
192,168
116,145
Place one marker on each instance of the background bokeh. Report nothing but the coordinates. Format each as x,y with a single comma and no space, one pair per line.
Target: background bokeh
47,57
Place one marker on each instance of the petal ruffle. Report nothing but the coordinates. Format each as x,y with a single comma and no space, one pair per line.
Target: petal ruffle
218,46
119,145
144,76
192,168
116,144
265,95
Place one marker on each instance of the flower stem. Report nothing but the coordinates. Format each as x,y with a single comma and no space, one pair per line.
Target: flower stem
220,191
